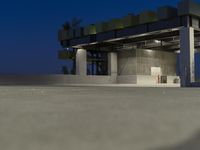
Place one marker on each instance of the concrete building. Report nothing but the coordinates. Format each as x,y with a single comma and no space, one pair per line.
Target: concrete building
136,49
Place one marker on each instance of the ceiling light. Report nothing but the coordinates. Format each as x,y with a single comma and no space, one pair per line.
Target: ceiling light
157,41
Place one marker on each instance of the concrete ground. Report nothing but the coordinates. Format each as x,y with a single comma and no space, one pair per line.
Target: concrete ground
99,118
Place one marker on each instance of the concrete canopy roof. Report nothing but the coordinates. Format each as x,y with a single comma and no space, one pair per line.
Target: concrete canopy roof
166,27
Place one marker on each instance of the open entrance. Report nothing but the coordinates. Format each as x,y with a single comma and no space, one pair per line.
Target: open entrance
97,63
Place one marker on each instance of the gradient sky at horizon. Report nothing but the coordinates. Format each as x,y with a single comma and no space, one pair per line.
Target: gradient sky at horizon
28,28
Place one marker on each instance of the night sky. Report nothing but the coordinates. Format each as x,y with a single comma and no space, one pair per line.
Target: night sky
28,28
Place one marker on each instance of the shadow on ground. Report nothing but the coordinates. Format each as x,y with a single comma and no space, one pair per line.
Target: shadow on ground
191,144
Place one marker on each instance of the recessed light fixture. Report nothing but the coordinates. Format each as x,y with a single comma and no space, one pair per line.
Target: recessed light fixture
149,50
178,51
157,41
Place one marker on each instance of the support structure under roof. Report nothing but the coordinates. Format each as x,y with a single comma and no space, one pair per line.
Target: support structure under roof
170,33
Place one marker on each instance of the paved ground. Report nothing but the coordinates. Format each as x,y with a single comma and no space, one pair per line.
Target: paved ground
99,118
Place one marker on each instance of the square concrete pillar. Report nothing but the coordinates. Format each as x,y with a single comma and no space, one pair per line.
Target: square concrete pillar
187,59
112,64
81,62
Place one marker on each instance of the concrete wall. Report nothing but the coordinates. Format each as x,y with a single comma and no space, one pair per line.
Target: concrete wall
54,79
134,66
144,79
127,63
172,79
141,79
127,79
77,79
89,79
148,58
139,62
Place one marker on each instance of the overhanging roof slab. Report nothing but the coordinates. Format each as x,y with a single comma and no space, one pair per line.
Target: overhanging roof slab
127,32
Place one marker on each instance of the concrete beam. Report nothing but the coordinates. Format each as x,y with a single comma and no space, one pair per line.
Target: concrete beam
187,59
81,62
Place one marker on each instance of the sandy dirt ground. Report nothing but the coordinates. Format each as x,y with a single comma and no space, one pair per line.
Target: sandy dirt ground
99,118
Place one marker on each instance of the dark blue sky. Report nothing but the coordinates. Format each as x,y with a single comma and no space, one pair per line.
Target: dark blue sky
28,28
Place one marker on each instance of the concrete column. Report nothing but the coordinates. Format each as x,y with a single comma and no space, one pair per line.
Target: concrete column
112,64
187,59
81,62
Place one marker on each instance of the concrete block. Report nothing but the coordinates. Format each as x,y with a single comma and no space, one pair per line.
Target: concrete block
195,23
101,27
115,24
105,36
146,79
90,30
173,79
132,31
166,12
130,20
188,7
147,17
79,41
78,32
